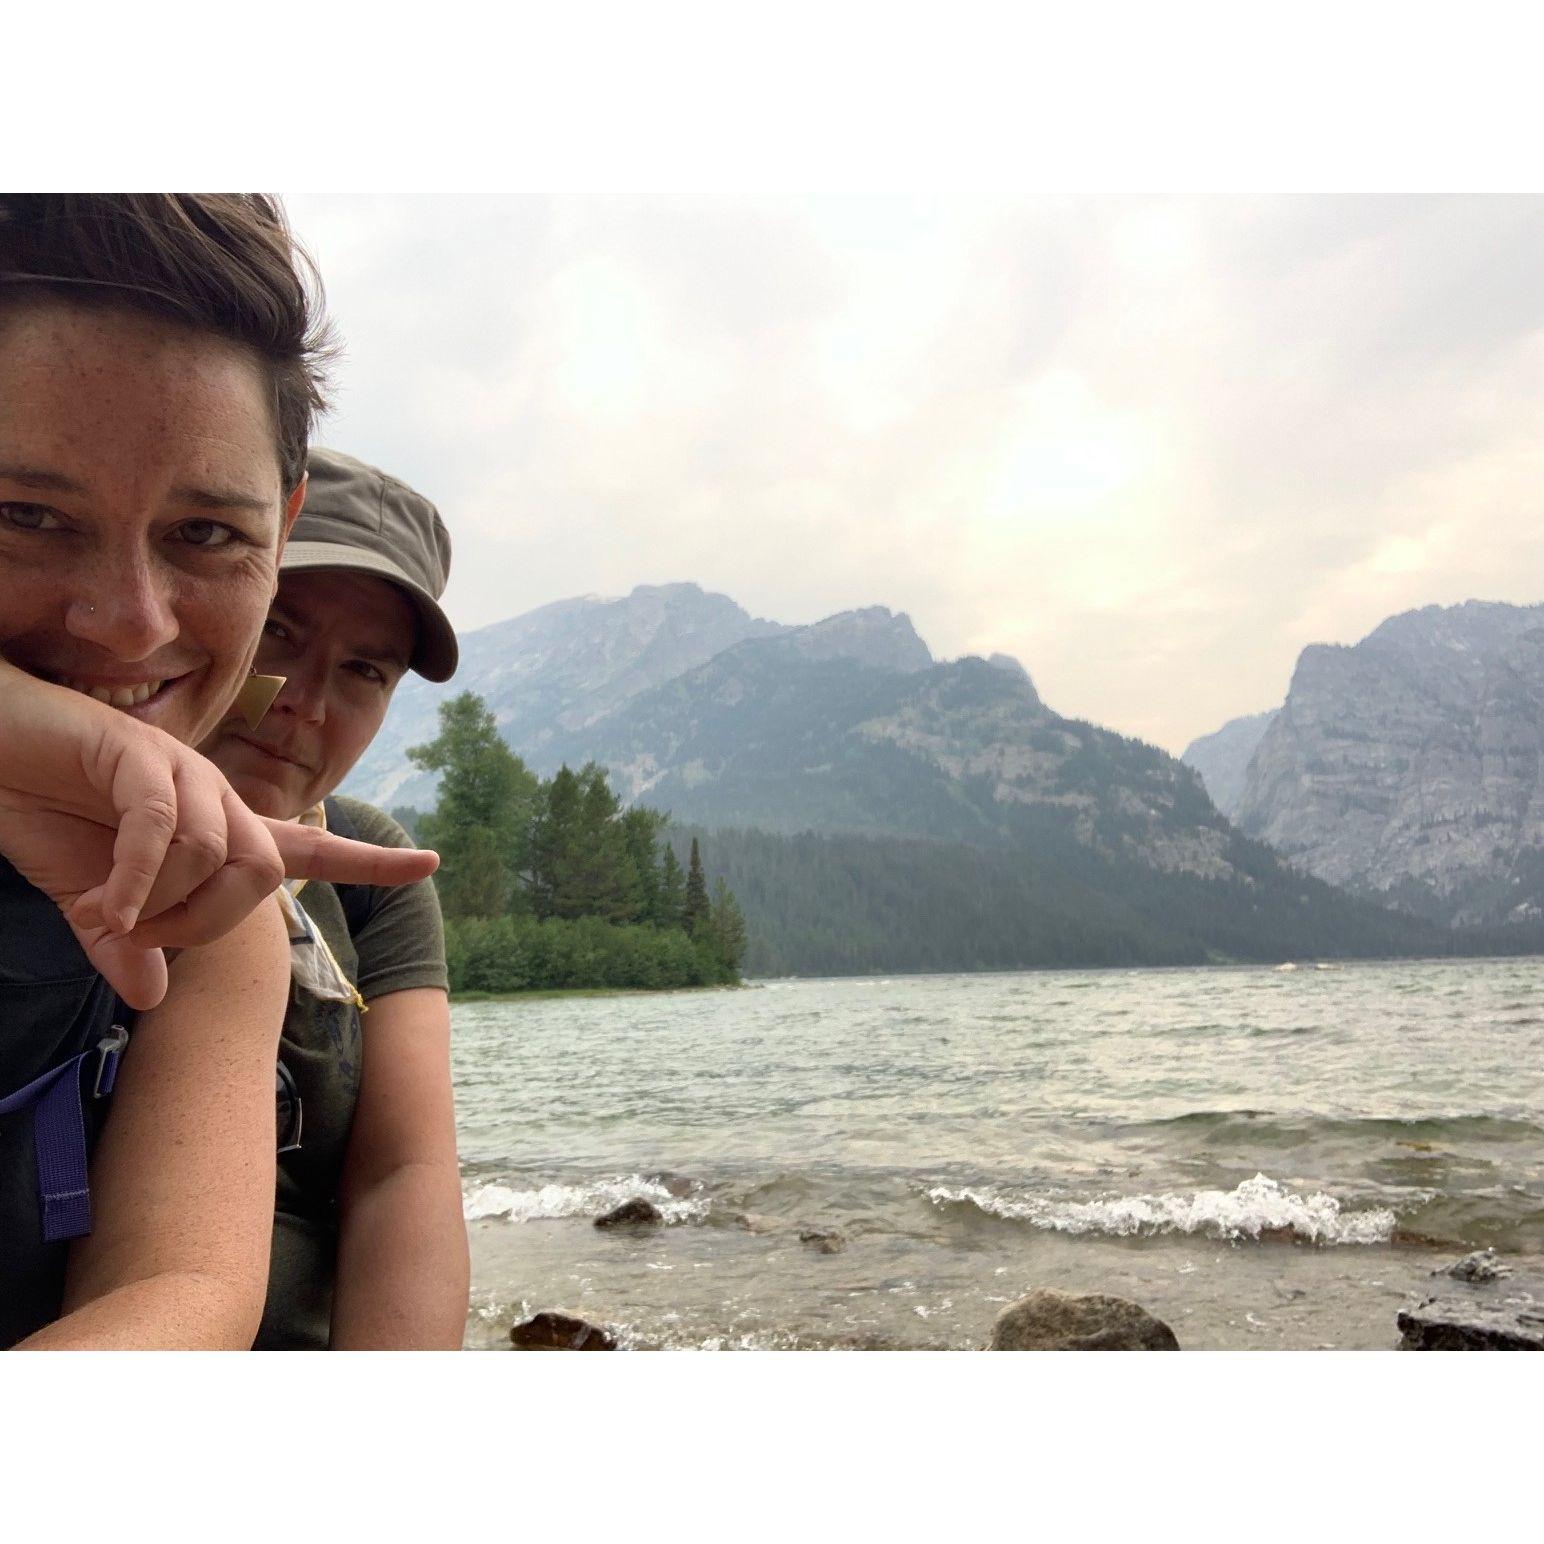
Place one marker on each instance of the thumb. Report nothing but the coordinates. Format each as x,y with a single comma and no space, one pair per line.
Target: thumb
135,973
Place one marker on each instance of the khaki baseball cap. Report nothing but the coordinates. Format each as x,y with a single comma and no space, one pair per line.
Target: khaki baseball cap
357,517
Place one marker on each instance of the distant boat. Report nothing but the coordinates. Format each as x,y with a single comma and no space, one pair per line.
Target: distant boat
1288,966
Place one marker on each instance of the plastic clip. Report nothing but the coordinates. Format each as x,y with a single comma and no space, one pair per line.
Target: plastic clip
109,1048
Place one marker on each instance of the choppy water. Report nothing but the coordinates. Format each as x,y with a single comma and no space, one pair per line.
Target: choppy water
1262,1157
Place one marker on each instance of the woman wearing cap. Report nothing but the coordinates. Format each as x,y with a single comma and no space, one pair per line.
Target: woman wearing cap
369,1246
158,379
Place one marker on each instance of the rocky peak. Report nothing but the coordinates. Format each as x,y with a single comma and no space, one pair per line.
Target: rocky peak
1409,764
1222,758
874,636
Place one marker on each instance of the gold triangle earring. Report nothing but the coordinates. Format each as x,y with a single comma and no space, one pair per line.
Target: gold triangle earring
256,696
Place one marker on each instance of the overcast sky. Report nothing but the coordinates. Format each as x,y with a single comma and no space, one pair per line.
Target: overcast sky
1151,448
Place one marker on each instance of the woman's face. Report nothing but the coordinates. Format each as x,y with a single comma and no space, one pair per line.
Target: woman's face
342,641
141,510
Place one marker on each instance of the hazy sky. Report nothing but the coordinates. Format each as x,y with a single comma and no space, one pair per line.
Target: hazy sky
1150,447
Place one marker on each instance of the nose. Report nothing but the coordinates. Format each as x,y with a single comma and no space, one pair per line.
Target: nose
302,697
124,609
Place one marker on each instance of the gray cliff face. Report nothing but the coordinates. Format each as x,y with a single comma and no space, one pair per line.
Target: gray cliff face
1223,758
554,670
1408,765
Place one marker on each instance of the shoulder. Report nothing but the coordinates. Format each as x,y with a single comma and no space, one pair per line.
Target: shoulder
371,824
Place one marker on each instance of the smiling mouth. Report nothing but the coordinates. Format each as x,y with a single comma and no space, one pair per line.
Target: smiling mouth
130,694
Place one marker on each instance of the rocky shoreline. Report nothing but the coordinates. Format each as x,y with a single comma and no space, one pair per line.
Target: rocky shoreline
1477,1303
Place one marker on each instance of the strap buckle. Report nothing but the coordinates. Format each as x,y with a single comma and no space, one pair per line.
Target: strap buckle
109,1048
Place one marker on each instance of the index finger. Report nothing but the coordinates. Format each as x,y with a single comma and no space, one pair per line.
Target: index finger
311,854
144,792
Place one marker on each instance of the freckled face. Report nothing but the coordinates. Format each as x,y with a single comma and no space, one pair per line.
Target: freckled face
342,640
141,510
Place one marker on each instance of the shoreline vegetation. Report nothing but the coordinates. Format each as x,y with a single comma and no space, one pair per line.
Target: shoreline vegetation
546,994
551,886
755,982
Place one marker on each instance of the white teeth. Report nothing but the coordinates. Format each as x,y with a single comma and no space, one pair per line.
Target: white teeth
117,696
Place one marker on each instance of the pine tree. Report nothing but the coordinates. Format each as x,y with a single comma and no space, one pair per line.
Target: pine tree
605,878
694,914
555,848
640,836
671,909
726,927
481,826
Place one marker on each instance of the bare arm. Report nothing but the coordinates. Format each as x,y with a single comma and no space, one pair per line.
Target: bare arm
403,1273
183,1176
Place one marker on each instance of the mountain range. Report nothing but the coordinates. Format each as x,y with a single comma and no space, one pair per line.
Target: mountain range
1406,767
849,727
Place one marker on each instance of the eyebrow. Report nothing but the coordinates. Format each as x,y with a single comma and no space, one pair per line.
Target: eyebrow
384,654
222,498
35,477
199,498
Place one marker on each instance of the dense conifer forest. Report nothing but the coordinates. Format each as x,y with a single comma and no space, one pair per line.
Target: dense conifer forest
551,884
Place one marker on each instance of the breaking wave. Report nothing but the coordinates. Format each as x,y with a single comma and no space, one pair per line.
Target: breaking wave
1257,1206
591,1199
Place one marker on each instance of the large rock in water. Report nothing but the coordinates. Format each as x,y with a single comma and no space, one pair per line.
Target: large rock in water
636,1213
560,1332
1063,1321
1482,1305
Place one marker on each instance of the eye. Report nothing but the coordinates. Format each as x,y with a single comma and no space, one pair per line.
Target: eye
205,533
29,517
272,629
368,671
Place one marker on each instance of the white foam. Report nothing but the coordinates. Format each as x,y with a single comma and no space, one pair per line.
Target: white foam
1256,1206
592,1199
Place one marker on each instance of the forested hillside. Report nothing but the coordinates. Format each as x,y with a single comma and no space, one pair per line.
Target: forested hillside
839,905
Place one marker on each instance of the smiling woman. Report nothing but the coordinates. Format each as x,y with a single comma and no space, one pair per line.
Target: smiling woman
158,377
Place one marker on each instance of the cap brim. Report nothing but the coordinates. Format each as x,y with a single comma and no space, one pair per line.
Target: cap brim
438,653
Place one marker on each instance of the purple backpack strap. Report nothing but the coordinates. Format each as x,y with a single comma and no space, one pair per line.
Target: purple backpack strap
59,1134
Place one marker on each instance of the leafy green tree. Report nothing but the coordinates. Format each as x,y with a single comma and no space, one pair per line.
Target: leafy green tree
481,827
694,914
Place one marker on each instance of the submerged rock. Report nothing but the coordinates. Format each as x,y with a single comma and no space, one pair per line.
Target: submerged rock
1047,1320
824,1240
1482,1265
756,1222
560,1332
1483,1305
636,1213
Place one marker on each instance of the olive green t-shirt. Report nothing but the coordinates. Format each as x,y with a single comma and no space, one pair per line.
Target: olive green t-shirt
398,944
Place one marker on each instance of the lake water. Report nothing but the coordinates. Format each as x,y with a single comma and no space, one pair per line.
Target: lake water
1264,1158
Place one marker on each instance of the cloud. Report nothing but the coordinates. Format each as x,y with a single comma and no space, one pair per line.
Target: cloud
1153,447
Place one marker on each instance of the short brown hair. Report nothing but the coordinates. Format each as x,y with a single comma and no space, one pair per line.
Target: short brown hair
220,262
